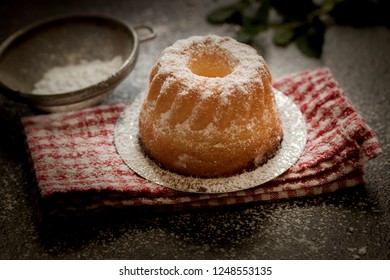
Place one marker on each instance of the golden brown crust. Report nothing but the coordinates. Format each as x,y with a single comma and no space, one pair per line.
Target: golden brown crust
210,126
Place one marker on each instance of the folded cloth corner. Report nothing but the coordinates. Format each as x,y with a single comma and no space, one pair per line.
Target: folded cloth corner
78,169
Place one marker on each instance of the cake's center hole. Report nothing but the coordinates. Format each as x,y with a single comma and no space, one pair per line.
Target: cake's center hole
212,65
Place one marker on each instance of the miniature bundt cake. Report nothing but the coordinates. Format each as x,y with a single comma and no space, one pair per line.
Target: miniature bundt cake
210,109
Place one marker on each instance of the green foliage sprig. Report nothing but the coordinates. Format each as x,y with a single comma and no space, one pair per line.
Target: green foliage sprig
301,21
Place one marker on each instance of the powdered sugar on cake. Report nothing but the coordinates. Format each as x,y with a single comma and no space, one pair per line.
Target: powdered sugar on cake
243,60
210,98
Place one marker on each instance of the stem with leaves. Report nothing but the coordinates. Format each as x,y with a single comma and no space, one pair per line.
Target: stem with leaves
301,21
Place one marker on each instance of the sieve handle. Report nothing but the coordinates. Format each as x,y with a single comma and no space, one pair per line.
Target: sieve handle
145,36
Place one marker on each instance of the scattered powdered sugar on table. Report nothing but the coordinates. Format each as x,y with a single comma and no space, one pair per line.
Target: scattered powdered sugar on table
60,79
292,146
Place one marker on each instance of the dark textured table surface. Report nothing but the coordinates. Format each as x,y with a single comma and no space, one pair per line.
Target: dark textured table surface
350,224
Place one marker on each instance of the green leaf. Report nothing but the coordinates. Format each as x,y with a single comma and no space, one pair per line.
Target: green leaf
244,37
263,12
283,37
310,42
228,14
294,10
222,15
252,26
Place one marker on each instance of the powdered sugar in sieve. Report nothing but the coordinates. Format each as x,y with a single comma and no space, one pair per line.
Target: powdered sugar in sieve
293,143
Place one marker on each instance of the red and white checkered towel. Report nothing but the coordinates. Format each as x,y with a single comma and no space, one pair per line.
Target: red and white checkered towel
78,168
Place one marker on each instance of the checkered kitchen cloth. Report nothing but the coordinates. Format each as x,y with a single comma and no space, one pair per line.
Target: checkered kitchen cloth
74,175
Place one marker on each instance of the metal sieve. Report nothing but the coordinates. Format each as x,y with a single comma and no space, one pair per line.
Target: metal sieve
28,53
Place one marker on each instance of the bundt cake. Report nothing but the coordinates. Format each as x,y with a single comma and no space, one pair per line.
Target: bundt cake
210,109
